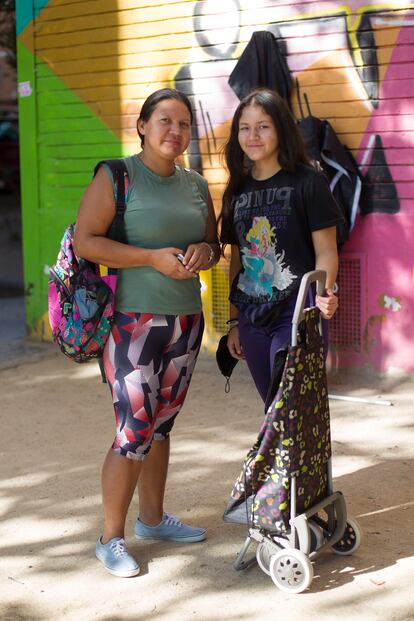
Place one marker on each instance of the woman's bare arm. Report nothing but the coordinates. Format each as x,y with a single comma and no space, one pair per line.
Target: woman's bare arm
235,267
233,337
197,256
324,243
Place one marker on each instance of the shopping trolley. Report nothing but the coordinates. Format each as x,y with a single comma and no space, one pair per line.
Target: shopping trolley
284,492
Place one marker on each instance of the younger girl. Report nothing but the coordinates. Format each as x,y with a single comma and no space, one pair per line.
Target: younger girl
280,218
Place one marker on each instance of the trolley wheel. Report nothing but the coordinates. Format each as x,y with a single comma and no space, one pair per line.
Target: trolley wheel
291,570
316,535
350,540
263,556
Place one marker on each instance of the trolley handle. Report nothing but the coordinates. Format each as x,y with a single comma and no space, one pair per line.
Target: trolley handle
318,276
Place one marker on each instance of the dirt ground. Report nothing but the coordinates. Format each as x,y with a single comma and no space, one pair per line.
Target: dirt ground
56,425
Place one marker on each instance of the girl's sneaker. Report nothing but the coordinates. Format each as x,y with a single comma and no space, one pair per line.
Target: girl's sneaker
170,529
116,559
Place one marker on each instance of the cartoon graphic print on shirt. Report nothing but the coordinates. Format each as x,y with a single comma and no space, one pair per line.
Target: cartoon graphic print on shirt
273,222
260,216
264,268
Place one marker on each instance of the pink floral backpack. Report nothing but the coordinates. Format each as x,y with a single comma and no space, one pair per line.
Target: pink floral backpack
80,298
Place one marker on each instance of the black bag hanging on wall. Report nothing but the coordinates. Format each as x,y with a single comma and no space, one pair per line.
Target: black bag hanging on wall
337,162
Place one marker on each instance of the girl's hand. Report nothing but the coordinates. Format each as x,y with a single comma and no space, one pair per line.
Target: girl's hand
327,304
166,262
197,257
233,344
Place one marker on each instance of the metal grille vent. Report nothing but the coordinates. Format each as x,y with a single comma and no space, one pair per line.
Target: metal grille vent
220,302
345,328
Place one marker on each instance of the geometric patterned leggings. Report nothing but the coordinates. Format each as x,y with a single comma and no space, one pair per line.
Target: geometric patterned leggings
149,360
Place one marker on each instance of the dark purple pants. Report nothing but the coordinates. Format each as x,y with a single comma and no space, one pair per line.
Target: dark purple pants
261,344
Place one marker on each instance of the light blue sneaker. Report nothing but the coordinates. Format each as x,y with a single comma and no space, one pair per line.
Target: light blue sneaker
170,529
116,559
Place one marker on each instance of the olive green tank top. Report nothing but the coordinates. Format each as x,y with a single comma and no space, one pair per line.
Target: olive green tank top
161,212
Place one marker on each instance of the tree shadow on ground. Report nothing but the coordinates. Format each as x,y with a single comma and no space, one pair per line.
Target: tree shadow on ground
51,507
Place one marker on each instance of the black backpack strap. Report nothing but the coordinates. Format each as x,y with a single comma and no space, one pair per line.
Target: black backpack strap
117,229
119,172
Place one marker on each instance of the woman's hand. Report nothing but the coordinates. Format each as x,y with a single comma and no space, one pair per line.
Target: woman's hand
166,262
197,257
233,343
327,304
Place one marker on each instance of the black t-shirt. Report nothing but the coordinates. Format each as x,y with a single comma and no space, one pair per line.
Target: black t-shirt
273,223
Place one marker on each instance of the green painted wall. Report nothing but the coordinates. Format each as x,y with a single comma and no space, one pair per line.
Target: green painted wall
61,141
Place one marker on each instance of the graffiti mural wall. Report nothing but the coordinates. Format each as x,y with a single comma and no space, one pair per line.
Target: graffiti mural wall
84,72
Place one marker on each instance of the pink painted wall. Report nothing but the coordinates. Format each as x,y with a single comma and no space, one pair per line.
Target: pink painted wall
388,239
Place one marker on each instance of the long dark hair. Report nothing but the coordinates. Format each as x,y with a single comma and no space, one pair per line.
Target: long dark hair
291,149
154,99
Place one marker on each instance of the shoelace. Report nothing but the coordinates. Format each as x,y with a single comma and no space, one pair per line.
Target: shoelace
118,547
171,520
